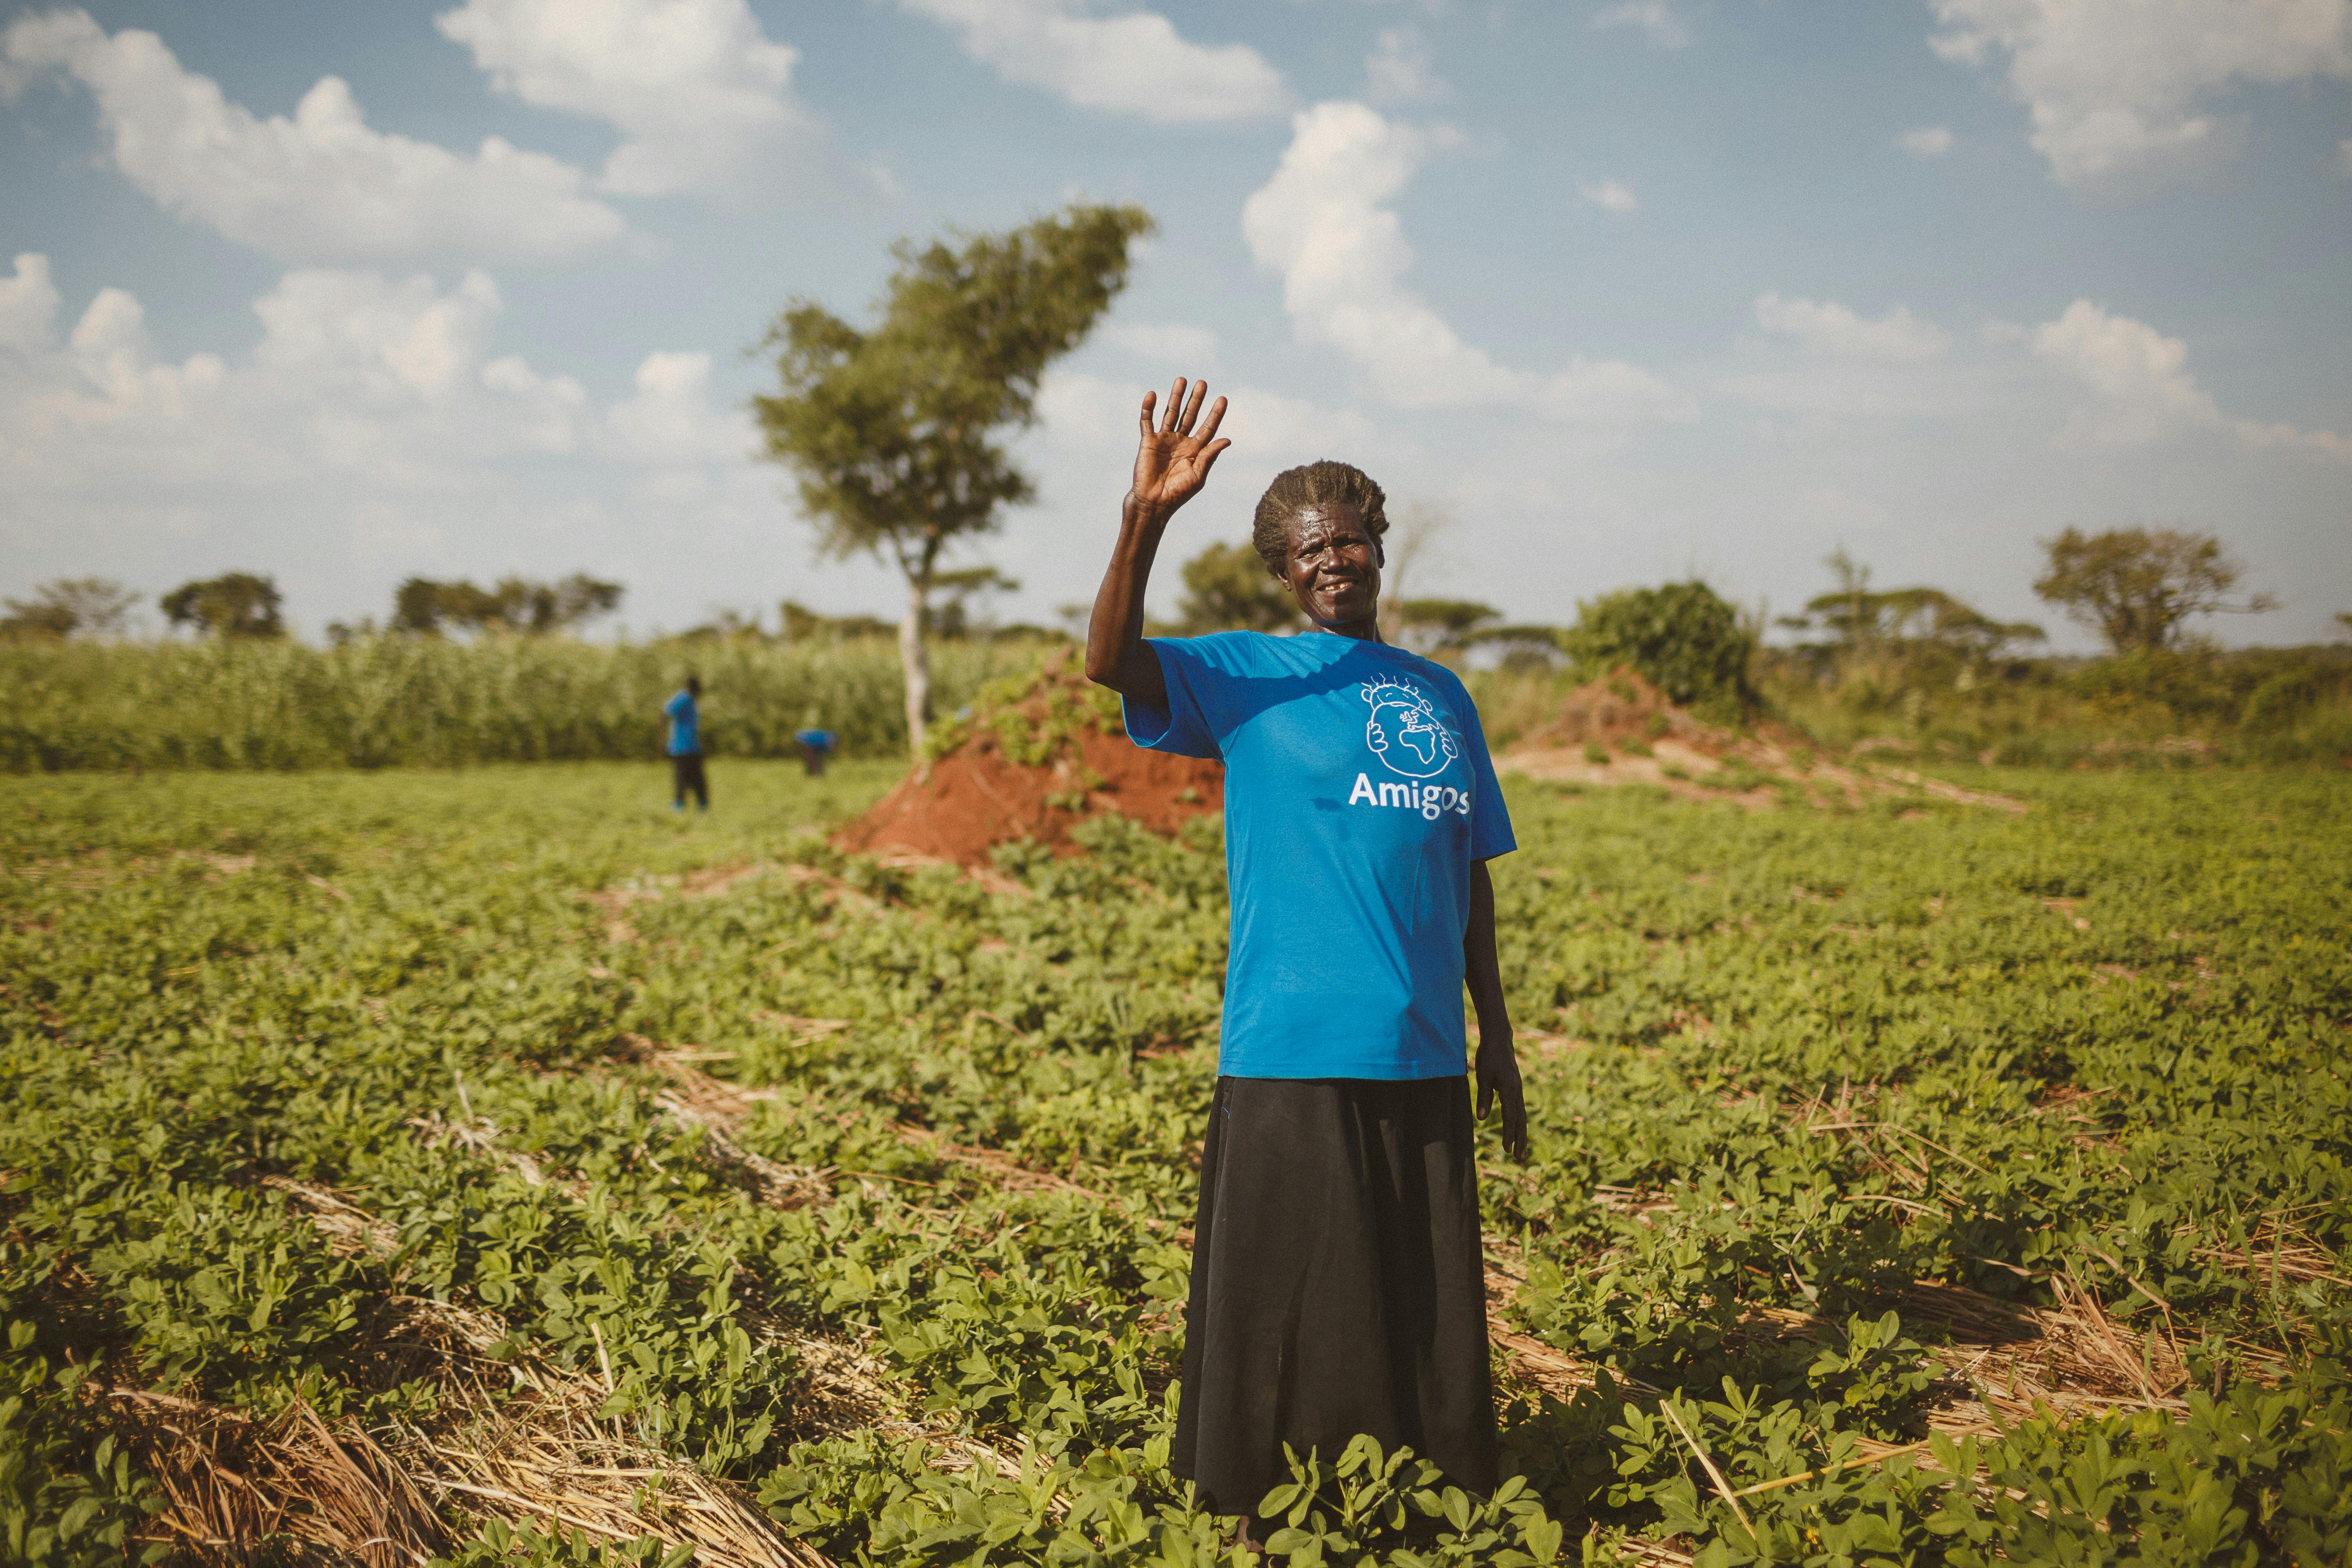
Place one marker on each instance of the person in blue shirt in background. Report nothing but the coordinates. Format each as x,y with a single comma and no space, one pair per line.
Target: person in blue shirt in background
816,745
685,748
1338,1285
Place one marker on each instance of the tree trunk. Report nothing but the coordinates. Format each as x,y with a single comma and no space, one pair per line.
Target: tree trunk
916,661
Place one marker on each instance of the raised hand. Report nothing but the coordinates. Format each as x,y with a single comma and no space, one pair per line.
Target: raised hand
1172,460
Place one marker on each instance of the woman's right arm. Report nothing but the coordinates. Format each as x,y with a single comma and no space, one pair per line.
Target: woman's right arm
1171,463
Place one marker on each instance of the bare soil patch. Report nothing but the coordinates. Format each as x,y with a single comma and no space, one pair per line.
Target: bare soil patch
1034,763
1621,730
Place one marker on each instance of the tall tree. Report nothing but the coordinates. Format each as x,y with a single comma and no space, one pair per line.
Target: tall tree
2136,585
895,433
233,604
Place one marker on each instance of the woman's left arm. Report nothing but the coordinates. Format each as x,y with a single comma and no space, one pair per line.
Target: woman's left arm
1497,1064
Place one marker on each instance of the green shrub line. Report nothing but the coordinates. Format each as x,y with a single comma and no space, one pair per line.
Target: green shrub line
2110,1034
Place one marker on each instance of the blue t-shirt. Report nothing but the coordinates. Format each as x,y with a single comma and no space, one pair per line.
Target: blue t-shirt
1358,792
685,725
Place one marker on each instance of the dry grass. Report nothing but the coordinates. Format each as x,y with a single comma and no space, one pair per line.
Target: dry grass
543,1461
517,1440
232,1483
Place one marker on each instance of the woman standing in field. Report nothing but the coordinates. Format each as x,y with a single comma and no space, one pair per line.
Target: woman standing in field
1337,1285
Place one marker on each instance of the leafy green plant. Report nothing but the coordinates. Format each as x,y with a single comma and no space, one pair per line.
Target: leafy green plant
682,1117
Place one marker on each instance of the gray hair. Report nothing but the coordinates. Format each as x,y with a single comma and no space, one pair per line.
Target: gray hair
1313,488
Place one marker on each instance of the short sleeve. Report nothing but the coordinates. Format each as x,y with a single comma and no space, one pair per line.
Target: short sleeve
1490,819
1183,727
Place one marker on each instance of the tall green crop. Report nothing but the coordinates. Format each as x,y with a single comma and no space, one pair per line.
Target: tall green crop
387,701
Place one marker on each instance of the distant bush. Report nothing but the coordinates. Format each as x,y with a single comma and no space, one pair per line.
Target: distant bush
1683,636
2279,702
244,702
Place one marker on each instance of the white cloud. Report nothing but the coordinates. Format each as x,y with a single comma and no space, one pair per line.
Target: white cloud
361,386
374,430
321,185
1399,68
2344,157
1610,195
1134,63
1655,20
1926,141
1323,223
671,421
2121,89
702,95
2142,387
1828,328
28,306
1181,350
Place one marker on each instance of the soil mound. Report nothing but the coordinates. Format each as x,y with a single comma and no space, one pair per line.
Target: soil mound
1622,729
1032,759
1623,708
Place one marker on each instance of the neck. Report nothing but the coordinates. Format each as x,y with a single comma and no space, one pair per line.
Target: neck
1366,630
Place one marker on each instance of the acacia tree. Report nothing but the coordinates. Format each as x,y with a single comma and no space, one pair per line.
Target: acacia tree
2136,585
894,433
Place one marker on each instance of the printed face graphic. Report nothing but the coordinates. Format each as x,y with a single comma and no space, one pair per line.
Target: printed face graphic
1405,732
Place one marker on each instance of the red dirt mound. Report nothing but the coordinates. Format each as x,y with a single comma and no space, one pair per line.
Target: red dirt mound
1033,761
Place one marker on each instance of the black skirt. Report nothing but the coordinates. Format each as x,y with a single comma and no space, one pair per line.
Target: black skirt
1338,1284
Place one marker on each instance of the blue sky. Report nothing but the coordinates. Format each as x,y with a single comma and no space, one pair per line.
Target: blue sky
1626,291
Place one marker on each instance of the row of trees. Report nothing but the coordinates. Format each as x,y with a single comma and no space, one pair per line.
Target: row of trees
248,605
236,604
423,607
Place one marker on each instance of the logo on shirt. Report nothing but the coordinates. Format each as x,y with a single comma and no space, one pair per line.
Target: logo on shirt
1410,737
1405,729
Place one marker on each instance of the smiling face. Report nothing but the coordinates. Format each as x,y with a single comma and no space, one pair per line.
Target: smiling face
1333,568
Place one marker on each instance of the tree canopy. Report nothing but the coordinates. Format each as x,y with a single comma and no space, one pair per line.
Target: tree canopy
1443,625
1227,588
1859,618
2137,586
234,605
517,605
896,433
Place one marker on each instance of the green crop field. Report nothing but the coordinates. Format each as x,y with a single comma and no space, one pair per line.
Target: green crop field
491,1165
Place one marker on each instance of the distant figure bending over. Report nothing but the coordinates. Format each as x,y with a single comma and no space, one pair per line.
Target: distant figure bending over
685,748
1338,1283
